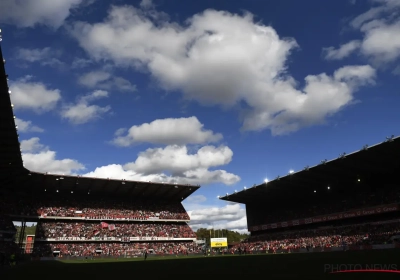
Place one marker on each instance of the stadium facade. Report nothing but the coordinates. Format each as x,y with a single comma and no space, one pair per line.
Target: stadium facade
81,216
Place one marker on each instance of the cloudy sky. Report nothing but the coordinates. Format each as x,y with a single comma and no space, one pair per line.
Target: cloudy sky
218,93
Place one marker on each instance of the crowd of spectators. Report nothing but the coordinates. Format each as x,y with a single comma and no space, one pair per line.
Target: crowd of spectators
91,229
332,203
366,234
94,208
114,249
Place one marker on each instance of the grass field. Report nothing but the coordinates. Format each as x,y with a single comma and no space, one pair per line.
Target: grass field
282,266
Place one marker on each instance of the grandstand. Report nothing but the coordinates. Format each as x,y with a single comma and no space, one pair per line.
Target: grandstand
351,202
80,216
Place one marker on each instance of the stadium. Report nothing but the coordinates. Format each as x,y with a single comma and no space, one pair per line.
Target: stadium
340,212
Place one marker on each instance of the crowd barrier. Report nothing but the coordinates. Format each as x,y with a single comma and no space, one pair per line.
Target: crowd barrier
259,252
104,257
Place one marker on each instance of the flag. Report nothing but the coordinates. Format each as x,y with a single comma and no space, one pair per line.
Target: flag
96,232
111,227
104,225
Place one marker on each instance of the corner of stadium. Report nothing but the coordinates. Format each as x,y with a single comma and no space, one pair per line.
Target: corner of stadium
338,216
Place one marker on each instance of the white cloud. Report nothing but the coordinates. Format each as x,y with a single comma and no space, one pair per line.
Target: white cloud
82,112
104,80
29,13
26,126
32,145
146,4
156,164
179,131
26,94
195,199
380,27
177,160
80,63
231,217
39,158
217,58
343,51
45,56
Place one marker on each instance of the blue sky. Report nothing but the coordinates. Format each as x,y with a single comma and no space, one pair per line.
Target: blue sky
218,93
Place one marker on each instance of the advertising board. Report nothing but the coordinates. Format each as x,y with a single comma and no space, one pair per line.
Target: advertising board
219,242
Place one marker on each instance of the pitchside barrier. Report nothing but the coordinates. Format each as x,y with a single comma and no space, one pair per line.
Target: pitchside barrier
105,257
310,250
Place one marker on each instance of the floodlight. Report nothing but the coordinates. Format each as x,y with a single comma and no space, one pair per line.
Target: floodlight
176,187
44,189
12,105
123,183
315,191
390,139
266,180
359,180
16,126
72,191
9,91
218,196
329,187
245,188
227,194
61,178
14,117
291,171
324,161
56,190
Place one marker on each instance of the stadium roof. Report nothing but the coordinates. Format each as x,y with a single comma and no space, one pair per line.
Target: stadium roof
13,173
374,164
10,153
78,185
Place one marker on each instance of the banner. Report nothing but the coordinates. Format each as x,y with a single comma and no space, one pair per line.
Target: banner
74,239
218,242
111,227
125,239
83,217
331,217
104,225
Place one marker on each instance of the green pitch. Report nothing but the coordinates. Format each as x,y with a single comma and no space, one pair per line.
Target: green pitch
280,266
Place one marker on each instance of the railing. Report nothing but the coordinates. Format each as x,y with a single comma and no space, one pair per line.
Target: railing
98,218
99,239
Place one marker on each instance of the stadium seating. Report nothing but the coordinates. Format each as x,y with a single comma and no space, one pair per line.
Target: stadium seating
124,223
95,208
114,249
362,234
91,229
